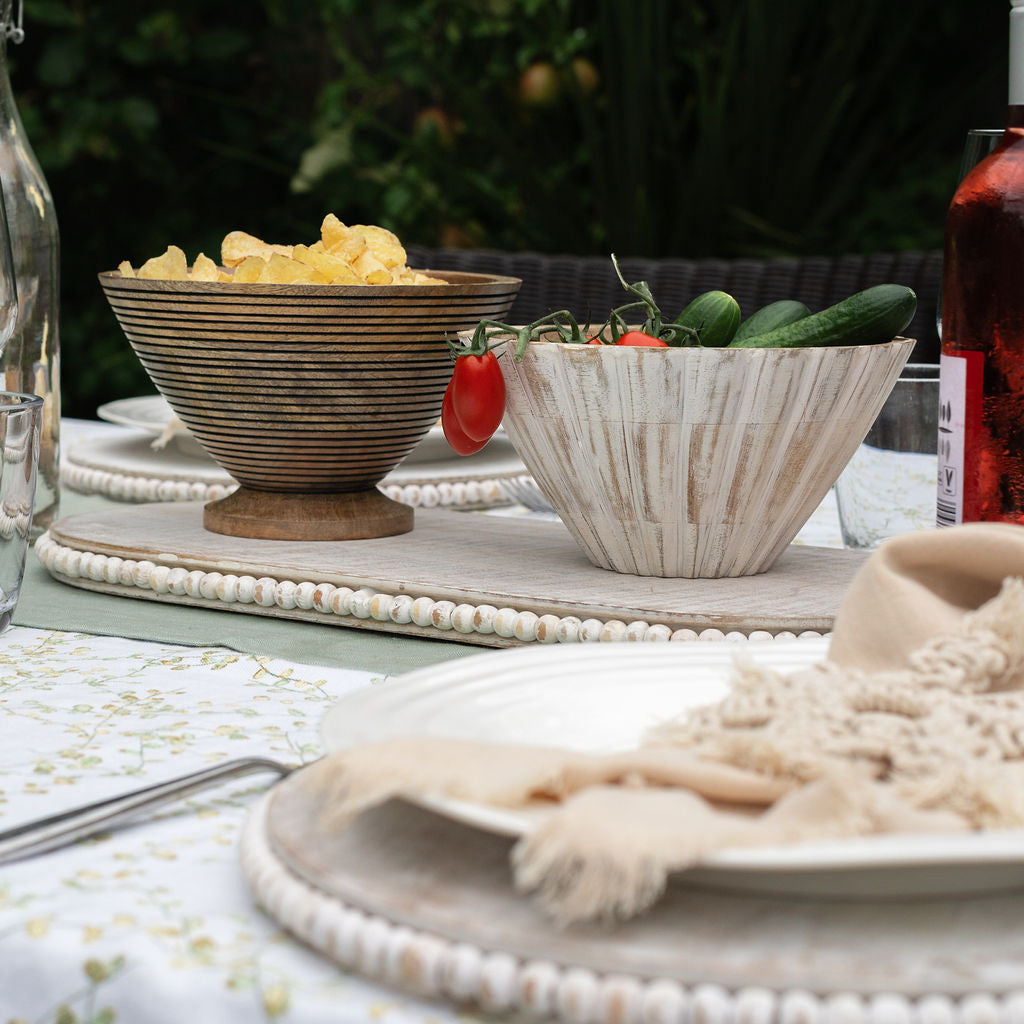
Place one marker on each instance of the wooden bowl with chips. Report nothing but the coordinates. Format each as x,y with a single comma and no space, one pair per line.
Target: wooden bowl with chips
307,394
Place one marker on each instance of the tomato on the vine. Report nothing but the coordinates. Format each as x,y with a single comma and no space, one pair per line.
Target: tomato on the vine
478,395
639,339
454,434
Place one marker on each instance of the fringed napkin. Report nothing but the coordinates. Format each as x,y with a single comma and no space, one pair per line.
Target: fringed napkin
915,722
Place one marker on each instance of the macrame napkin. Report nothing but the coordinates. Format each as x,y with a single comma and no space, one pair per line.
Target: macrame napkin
914,722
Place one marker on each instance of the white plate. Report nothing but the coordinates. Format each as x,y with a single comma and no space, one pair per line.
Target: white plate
604,698
152,413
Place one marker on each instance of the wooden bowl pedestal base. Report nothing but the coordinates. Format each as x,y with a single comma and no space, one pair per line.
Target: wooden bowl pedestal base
268,515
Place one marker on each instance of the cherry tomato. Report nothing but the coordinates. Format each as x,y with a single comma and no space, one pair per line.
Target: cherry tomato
638,338
478,395
454,434
594,341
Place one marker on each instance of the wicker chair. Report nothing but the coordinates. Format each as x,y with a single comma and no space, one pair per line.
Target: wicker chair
587,285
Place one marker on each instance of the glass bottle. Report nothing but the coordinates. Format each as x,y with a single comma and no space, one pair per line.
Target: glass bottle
31,360
981,422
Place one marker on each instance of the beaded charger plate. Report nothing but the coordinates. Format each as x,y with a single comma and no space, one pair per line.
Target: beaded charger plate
425,903
127,468
492,580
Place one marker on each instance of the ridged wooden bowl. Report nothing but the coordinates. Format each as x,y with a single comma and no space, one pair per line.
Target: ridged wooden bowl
691,462
308,395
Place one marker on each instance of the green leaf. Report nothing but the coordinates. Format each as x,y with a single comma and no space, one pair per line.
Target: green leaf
332,151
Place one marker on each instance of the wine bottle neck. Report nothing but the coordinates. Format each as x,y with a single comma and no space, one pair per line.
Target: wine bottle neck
1017,56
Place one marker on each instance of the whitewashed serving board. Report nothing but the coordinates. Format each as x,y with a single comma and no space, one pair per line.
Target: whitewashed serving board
496,581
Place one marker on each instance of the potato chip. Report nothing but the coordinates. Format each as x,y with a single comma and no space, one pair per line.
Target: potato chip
332,267
249,270
284,270
348,247
171,266
361,254
204,269
332,232
382,243
239,245
348,277
370,269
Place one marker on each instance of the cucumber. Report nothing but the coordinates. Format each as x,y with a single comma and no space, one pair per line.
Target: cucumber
714,316
870,317
770,317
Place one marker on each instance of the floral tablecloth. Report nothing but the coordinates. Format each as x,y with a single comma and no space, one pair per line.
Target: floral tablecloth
154,923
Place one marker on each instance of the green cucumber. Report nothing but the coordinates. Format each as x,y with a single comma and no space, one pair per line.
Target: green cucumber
770,318
870,317
714,316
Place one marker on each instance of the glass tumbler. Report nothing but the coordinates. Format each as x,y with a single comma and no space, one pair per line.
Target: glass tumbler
20,424
888,487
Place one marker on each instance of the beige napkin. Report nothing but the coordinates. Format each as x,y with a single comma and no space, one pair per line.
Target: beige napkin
918,586
915,722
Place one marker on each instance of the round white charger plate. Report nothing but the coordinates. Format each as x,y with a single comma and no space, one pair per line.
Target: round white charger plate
422,903
601,700
129,468
422,897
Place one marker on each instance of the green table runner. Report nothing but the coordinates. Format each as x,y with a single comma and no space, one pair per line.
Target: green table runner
47,604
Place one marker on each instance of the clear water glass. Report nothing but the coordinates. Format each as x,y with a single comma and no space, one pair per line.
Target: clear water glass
888,487
21,419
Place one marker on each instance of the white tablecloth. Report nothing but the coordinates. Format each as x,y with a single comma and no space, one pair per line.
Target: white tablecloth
154,921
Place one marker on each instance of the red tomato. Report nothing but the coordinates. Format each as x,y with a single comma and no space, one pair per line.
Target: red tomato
638,338
454,434
594,341
478,395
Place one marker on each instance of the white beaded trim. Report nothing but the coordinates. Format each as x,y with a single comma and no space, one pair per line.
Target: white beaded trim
128,487
326,603
435,967
14,521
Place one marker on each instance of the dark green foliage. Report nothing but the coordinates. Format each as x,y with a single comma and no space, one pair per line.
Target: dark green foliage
716,128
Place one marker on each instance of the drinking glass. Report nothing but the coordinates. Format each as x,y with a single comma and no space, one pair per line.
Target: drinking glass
20,424
978,144
21,418
888,487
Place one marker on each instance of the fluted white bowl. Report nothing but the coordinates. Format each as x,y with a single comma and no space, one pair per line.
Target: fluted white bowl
691,462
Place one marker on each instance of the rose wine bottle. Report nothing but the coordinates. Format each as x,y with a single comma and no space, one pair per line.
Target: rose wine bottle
981,417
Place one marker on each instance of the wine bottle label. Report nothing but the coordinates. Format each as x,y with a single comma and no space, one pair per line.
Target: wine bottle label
960,379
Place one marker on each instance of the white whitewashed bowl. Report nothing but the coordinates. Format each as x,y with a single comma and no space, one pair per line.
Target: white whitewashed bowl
691,462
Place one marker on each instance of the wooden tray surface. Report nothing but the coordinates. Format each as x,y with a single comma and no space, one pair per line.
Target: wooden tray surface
462,565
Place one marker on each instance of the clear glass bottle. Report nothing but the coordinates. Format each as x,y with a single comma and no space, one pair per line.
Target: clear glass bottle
981,419
31,361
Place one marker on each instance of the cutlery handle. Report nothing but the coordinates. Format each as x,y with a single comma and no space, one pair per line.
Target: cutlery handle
57,830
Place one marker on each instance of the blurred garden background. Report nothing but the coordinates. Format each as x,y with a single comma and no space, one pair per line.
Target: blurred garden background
652,128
